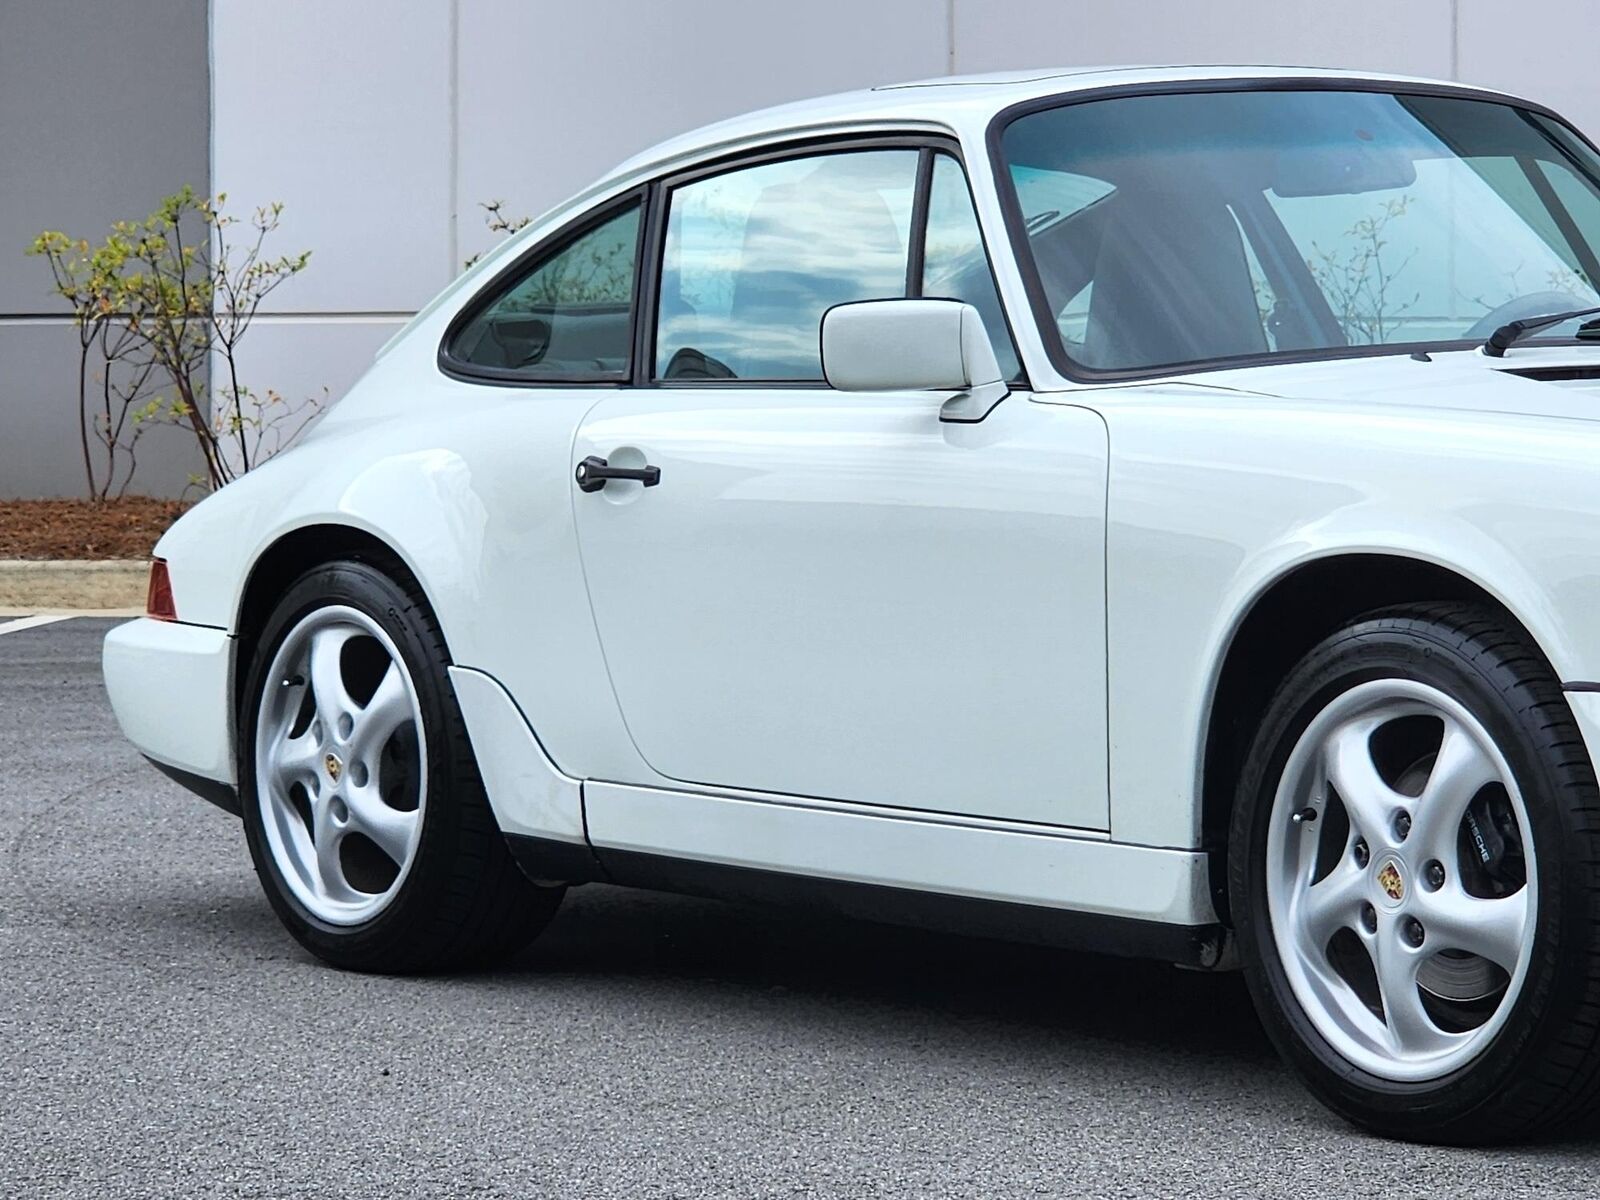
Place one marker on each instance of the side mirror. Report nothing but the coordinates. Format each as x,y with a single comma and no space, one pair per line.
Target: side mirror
914,345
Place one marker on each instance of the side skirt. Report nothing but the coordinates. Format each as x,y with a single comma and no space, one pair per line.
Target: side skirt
1198,946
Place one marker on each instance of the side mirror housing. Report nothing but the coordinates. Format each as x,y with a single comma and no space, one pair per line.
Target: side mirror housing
914,345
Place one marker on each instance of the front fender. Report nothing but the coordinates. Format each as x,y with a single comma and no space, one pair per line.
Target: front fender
1212,500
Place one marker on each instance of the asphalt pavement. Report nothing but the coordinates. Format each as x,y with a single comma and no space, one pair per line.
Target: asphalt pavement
160,1035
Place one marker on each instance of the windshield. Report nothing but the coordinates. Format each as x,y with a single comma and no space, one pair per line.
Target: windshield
1176,229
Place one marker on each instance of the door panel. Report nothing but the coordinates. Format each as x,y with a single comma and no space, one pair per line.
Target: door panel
840,596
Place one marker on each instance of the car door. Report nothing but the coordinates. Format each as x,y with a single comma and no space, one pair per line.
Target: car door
816,593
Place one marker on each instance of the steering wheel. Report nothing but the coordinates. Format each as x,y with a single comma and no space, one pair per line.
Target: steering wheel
1534,304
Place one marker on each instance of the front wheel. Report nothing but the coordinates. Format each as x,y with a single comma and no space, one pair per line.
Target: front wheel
1414,860
363,807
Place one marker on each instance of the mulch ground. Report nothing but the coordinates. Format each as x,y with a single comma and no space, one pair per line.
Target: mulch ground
78,529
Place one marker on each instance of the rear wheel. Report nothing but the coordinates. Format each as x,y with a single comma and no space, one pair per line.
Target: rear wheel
1414,862
366,817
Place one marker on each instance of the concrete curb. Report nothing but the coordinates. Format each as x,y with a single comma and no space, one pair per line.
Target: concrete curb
73,585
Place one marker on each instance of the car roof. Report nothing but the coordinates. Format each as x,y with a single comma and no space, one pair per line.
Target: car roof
950,101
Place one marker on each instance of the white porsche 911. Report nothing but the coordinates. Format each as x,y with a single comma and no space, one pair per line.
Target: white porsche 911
1149,510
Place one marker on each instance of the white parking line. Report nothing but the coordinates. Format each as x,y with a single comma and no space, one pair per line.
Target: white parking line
22,623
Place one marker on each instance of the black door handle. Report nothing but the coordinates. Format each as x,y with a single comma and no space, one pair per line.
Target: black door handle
593,472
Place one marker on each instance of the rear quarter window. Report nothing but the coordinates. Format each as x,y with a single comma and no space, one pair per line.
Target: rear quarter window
565,317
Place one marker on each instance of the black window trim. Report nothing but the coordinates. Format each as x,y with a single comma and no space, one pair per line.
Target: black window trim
917,238
530,259
928,143
1016,230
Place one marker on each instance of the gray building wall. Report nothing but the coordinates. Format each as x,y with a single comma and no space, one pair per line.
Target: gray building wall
104,109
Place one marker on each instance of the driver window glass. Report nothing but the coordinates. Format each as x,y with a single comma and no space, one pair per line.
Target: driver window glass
955,265
754,257
570,318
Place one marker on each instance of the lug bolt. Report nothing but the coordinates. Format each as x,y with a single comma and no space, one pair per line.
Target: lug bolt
1402,825
1414,932
1363,855
1369,918
1435,875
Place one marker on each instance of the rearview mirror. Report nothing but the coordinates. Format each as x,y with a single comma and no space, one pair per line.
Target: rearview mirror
1341,171
914,345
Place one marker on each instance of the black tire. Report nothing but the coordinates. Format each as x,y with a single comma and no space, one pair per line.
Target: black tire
463,902
1540,1073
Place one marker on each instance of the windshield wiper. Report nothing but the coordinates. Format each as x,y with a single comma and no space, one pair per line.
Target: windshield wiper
1500,340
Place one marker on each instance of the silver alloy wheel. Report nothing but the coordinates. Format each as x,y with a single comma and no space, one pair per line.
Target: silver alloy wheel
341,765
1402,946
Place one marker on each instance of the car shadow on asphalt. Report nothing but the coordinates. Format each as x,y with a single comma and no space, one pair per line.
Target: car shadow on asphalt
689,947
617,932
1059,1004
760,964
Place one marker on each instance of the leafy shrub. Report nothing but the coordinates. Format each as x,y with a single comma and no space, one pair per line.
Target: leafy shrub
161,306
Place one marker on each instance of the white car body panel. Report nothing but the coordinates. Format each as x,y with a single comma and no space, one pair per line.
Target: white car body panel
838,595
529,794
1586,709
473,498
171,689
1219,484
1214,497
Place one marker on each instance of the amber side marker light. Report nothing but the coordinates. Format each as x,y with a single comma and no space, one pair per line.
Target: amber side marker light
158,606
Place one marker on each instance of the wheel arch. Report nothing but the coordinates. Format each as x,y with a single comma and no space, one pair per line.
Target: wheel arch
1289,615
297,551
